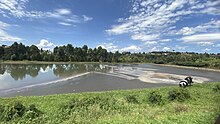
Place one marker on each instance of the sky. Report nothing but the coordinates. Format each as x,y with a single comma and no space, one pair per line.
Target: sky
117,25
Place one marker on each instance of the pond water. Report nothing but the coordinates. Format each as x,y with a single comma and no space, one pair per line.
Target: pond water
45,79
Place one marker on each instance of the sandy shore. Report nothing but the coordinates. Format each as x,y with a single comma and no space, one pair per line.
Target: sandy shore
155,77
188,67
150,76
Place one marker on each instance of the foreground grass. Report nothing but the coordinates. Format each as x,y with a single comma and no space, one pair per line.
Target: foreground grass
129,106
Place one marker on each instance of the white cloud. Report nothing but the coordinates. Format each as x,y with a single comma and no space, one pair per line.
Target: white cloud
187,31
109,46
201,37
207,49
132,48
142,37
113,48
64,23
13,7
3,25
45,44
166,49
4,36
63,11
205,43
218,45
150,43
17,8
86,18
211,26
120,29
154,49
165,40
158,16
177,47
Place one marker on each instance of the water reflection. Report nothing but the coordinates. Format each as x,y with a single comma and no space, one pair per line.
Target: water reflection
66,70
20,72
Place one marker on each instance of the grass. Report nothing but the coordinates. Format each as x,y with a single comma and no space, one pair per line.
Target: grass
125,106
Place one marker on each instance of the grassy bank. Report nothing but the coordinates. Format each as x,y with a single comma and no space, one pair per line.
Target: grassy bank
198,104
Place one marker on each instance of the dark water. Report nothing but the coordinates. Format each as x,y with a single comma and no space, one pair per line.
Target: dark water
25,80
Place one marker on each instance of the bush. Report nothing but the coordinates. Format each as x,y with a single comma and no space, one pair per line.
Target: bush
110,104
178,94
131,99
217,88
32,112
13,111
155,98
18,110
1,112
80,105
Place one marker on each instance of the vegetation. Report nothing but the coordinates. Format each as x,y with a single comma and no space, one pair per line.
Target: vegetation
130,106
68,53
156,98
16,111
179,95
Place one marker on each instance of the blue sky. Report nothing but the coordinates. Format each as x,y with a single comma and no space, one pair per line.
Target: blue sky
123,25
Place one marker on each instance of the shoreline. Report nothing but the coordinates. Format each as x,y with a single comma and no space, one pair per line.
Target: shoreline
45,83
187,67
165,65
42,62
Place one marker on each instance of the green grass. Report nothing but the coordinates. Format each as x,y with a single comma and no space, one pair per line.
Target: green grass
125,106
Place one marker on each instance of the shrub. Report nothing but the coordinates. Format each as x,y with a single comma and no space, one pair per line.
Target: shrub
2,109
155,98
32,112
109,104
178,94
131,99
13,111
85,104
216,88
18,110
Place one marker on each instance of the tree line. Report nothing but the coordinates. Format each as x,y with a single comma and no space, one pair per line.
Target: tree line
69,53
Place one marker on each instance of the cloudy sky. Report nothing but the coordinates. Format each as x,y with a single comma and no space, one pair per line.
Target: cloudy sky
124,25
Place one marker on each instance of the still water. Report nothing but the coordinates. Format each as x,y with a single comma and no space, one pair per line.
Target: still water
45,79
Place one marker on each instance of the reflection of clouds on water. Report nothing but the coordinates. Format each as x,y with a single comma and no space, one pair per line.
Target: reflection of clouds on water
25,75
4,81
45,70
45,83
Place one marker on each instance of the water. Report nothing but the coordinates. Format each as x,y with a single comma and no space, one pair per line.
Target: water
45,79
